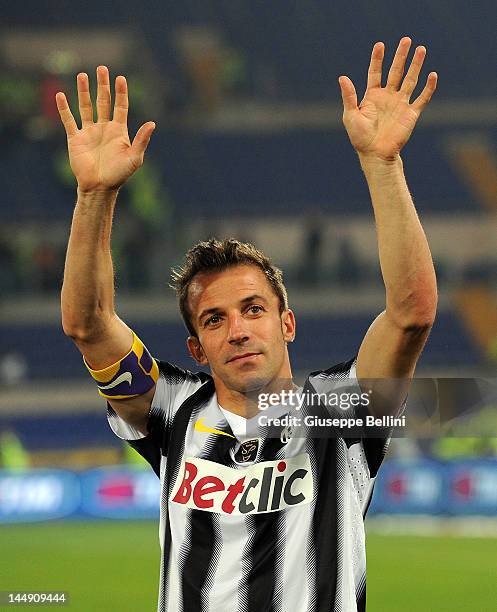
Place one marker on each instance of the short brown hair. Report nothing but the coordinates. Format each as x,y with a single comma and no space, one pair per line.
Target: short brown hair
218,255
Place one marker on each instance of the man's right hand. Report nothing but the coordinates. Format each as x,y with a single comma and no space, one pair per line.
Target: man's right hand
102,159
101,155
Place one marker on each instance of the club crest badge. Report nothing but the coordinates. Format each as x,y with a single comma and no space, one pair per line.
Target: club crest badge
247,451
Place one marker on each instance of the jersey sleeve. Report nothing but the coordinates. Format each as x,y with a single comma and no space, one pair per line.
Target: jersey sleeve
375,441
173,387
366,447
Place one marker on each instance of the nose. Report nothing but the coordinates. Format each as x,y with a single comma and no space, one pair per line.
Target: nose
237,332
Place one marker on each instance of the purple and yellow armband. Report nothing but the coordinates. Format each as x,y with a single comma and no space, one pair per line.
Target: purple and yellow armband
135,374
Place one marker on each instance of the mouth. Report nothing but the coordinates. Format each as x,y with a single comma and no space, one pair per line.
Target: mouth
243,357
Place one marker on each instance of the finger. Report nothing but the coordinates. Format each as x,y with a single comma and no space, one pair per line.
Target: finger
399,61
65,114
103,94
349,96
375,66
121,102
411,78
84,99
425,96
142,138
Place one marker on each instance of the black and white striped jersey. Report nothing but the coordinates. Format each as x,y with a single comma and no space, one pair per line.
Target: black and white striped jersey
270,524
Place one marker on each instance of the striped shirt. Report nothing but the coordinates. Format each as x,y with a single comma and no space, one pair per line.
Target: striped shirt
255,524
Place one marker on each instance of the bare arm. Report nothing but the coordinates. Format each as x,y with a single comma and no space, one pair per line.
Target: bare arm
102,159
87,297
378,129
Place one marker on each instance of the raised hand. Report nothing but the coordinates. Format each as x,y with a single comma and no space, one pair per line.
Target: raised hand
101,154
383,122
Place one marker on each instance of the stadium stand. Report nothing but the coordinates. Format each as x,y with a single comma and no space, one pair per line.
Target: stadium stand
245,174
321,341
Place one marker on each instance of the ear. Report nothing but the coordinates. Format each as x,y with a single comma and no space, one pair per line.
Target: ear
196,350
288,325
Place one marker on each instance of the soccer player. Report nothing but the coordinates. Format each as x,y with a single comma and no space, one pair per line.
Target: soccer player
250,523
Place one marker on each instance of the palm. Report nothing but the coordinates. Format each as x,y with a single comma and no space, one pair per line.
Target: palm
383,122
101,154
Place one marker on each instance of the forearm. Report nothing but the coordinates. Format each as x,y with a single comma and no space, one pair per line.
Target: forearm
88,290
405,258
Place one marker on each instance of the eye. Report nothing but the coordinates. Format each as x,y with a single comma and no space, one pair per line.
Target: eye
212,320
255,309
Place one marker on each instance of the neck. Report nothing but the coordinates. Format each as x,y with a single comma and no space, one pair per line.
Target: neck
246,404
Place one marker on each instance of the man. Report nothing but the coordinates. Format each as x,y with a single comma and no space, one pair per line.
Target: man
248,522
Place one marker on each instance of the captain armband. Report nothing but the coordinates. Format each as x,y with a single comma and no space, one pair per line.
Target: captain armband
134,374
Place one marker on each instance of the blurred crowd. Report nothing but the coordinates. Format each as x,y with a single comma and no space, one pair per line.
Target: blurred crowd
32,252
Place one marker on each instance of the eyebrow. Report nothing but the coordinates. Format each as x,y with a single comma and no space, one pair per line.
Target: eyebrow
243,302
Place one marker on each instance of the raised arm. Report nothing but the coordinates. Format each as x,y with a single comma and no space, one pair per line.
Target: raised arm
102,159
378,129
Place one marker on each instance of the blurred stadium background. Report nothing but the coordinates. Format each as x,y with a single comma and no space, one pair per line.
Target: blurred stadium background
249,144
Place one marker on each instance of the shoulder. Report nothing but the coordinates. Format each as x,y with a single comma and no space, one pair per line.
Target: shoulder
339,371
176,385
175,375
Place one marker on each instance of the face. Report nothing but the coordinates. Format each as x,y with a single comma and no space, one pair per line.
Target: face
241,334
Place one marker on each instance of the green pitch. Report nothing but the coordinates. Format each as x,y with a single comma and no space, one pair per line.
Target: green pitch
115,566
440,574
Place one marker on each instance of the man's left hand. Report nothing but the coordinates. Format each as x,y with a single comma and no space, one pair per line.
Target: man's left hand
383,122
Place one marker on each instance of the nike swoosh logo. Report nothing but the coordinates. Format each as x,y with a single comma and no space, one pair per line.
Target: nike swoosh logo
126,376
199,426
